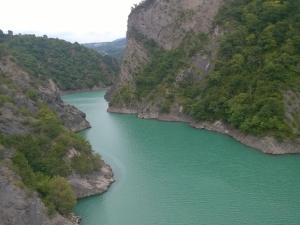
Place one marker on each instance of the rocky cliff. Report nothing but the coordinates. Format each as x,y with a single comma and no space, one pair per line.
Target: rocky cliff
167,24
31,111
20,206
172,70
47,91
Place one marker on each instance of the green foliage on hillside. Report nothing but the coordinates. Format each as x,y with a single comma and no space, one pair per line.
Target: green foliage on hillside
258,61
157,77
42,159
125,95
55,191
59,194
164,64
71,66
114,49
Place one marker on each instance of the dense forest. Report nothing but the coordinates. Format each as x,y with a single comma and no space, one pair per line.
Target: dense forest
257,66
71,66
254,85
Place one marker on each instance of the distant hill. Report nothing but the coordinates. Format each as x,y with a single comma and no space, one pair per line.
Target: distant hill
115,48
70,66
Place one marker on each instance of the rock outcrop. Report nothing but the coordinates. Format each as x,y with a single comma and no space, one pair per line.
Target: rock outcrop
92,184
167,25
19,206
73,118
27,90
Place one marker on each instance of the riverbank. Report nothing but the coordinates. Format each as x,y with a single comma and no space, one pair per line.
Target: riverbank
229,183
268,145
95,183
94,89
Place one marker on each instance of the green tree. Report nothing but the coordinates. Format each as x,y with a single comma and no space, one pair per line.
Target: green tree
61,195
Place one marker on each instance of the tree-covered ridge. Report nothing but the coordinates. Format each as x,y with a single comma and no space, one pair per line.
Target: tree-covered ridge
71,66
258,63
255,80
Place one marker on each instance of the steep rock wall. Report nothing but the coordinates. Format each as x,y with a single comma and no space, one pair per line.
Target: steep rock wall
168,24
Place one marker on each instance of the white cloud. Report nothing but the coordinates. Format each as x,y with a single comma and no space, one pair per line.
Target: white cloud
72,20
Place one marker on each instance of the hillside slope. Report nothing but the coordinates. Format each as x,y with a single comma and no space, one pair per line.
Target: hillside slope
231,66
114,49
44,166
70,66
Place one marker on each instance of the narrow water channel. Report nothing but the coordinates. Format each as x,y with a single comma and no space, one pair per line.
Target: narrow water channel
171,174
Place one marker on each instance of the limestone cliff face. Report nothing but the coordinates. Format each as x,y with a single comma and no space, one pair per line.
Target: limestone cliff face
166,23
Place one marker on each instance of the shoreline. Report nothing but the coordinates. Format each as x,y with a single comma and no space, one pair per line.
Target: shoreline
89,185
67,92
94,183
267,145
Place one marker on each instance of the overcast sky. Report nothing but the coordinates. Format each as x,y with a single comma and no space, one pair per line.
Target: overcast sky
73,20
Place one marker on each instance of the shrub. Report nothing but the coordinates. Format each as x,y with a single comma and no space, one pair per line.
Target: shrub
61,195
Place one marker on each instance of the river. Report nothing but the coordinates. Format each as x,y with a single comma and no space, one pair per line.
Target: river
171,174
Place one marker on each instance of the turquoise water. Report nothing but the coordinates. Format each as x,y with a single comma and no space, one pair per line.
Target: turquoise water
171,174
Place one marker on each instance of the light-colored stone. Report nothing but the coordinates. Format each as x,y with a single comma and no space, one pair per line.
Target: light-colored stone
92,184
19,206
166,23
